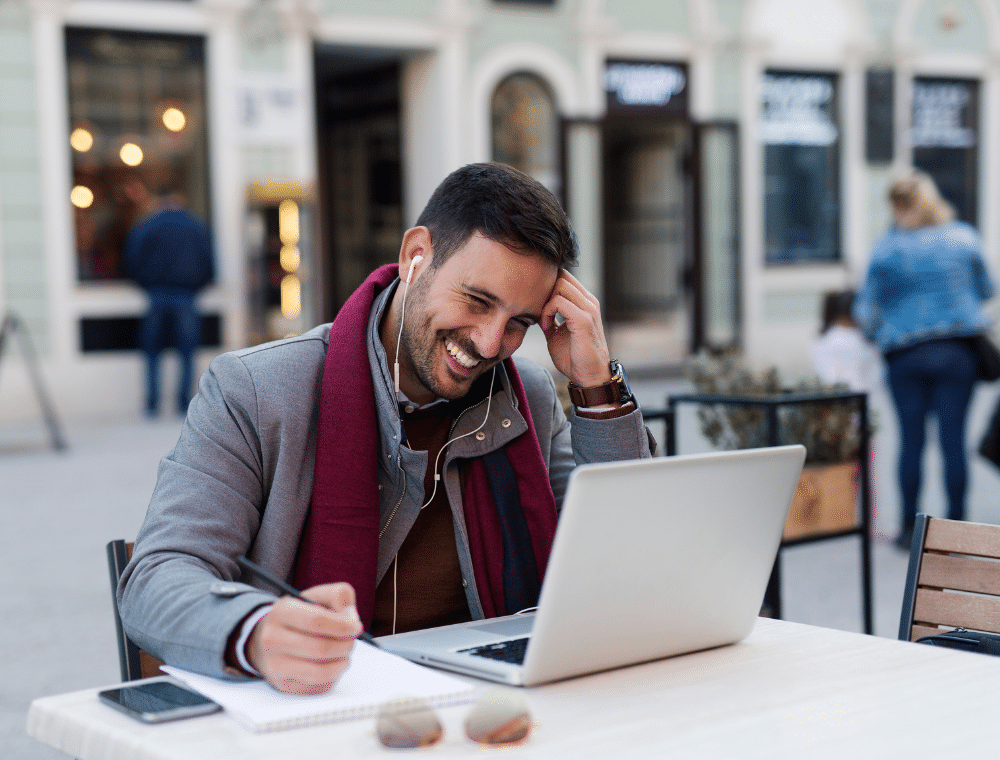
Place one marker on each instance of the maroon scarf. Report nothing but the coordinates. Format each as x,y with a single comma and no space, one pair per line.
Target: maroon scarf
340,539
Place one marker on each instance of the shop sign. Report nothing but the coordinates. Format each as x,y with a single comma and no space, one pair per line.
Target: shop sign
637,85
941,115
797,110
271,109
135,49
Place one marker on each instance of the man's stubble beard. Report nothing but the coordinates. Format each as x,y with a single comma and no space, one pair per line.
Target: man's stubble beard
420,346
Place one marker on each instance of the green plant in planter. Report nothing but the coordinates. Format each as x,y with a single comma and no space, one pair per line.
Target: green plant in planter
829,431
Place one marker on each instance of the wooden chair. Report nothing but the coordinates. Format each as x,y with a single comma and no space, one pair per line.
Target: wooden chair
135,663
953,579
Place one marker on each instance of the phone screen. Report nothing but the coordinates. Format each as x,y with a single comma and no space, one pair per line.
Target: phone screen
158,701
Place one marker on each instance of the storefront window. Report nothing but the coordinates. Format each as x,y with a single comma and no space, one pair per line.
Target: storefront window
137,115
945,138
526,130
801,164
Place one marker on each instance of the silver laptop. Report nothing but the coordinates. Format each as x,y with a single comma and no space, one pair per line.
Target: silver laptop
652,558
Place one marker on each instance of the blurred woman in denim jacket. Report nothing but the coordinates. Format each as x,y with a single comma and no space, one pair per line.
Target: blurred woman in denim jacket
922,297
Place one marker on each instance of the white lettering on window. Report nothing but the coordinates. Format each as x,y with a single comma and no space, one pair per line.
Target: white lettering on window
644,84
796,110
938,110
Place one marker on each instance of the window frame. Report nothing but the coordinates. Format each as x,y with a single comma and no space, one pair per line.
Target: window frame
184,154
554,179
830,193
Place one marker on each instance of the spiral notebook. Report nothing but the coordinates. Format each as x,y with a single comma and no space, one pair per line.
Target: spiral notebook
374,678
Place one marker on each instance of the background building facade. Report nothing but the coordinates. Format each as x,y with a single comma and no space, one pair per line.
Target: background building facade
724,161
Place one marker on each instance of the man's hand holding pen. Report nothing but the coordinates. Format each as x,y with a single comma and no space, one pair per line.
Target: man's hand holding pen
304,647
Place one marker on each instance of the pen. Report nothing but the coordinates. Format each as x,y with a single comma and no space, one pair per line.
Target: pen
254,569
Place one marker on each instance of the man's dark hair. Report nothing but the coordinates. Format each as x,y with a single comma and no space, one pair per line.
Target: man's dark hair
502,204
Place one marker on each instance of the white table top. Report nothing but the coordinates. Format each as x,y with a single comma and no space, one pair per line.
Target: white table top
787,691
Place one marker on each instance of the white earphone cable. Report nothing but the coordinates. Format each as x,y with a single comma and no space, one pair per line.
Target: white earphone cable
489,402
395,566
402,316
437,479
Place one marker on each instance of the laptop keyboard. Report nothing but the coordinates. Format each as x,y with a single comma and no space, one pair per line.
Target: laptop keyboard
506,651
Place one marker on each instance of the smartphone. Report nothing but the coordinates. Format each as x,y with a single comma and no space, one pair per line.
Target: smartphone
158,701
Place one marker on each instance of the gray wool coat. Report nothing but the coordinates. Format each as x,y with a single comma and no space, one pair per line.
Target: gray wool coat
239,481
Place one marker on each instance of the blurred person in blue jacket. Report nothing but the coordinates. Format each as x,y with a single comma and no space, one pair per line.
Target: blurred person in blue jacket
922,299
168,252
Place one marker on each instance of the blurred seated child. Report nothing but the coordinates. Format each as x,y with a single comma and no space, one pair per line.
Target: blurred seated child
841,353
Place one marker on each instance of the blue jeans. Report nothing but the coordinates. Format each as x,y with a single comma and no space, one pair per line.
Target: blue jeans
933,377
174,307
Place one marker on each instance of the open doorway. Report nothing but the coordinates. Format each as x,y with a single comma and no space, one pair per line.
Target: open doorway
360,201
647,240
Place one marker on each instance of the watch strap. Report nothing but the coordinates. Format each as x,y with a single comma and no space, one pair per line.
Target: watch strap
595,395
606,414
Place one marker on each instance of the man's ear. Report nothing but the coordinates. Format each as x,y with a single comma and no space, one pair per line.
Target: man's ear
416,242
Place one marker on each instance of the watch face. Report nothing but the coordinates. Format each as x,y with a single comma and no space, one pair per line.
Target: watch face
618,373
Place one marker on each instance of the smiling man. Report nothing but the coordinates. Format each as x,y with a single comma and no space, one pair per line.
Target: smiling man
398,465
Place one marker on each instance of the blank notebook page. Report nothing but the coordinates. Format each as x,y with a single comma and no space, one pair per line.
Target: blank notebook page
374,678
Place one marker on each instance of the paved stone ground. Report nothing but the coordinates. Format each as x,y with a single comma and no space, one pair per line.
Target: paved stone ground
58,510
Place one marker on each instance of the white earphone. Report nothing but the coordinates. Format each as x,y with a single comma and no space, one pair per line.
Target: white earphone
416,260
402,314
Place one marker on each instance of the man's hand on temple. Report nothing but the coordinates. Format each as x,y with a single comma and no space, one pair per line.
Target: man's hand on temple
577,345
303,648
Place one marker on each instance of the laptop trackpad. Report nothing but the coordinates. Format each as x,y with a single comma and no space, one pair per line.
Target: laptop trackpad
515,626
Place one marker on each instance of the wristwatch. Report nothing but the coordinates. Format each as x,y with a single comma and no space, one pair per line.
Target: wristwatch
616,390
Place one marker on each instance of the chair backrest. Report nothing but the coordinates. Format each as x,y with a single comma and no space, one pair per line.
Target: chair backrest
949,556
135,663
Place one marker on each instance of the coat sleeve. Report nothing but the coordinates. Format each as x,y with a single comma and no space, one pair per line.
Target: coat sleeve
205,510
866,310
982,281
567,442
